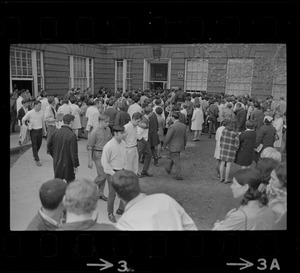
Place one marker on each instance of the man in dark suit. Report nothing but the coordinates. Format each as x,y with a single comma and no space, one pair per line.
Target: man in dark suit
176,138
152,133
63,147
240,117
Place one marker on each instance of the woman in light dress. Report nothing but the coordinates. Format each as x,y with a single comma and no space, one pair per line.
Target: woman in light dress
197,121
278,124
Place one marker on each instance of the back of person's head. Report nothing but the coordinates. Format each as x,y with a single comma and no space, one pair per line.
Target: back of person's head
111,102
126,184
238,105
229,105
265,166
225,122
280,171
136,99
268,120
176,108
24,101
256,188
158,110
271,152
232,124
36,102
250,124
175,115
121,106
81,197
148,110
157,101
197,105
52,193
68,118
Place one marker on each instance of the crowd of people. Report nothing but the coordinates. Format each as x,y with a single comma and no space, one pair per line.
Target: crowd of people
125,129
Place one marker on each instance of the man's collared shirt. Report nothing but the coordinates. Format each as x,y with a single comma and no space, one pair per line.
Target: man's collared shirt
49,116
35,119
131,138
155,212
113,156
98,138
133,109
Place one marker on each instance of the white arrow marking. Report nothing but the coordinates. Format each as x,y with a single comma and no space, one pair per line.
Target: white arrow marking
246,264
105,265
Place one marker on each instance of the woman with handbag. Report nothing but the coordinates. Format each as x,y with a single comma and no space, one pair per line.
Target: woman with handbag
254,213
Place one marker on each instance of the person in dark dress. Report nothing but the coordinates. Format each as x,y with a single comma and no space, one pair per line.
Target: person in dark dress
63,147
265,136
245,153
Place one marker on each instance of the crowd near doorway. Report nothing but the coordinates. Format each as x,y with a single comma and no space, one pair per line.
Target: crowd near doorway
23,84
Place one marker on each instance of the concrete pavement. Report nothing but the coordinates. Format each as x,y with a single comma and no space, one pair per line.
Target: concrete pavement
26,179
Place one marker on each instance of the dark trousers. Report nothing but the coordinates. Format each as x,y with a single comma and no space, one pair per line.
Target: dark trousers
13,120
189,118
175,160
112,196
50,131
212,126
144,149
36,141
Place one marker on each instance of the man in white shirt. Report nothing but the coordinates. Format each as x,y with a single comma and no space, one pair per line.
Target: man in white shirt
50,117
113,160
148,212
35,118
132,161
92,114
135,107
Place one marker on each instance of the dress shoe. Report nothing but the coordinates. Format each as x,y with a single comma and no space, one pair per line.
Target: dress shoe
119,211
178,178
112,218
38,163
102,197
143,174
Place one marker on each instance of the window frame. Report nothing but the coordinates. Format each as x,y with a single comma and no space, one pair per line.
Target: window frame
124,79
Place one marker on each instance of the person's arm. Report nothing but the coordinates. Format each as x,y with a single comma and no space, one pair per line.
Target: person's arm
235,220
74,152
259,136
169,136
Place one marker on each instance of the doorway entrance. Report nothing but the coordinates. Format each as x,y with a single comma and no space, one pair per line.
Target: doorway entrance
157,74
23,84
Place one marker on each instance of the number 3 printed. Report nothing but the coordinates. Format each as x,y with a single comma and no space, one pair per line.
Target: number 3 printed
124,266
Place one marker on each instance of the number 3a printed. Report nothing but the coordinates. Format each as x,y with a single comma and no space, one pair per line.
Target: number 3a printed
124,266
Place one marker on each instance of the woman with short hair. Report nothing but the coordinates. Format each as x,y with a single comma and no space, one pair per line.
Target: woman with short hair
254,213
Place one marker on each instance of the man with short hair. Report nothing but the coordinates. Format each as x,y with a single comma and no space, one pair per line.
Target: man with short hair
176,138
100,135
148,212
92,114
132,161
50,214
122,116
135,107
34,119
50,117
63,147
81,200
113,160
111,112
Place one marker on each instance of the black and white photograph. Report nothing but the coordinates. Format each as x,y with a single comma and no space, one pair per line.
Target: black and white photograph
148,137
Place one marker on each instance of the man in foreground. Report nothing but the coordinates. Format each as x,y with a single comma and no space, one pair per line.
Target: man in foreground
148,212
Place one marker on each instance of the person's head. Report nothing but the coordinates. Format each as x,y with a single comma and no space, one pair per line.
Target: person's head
119,133
229,105
136,118
268,120
278,114
73,99
81,197
135,99
51,100
238,105
175,115
265,166
250,124
121,107
176,108
25,102
197,105
256,105
270,152
37,105
103,120
247,183
157,102
225,122
159,111
278,176
231,126
111,102
126,185
281,98
52,193
148,110
68,119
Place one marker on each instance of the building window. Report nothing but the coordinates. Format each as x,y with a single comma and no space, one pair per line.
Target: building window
196,75
239,77
279,81
26,70
123,75
81,73
21,63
